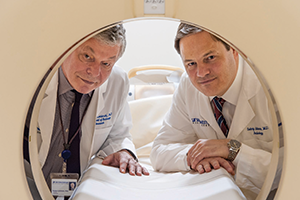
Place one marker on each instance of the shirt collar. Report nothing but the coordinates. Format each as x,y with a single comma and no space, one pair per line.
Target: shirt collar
232,94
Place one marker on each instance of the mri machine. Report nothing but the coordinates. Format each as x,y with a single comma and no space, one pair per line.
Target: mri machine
35,34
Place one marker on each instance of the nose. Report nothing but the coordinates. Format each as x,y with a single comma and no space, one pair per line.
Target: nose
202,70
94,70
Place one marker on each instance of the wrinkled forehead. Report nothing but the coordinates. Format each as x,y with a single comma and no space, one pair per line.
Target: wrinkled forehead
89,44
93,45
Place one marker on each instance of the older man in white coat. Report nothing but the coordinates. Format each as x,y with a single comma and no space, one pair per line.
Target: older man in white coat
104,120
219,116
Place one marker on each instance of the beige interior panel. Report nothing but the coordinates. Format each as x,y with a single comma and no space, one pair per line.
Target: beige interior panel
35,33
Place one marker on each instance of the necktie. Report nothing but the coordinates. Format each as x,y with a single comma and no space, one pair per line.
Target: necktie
73,163
218,106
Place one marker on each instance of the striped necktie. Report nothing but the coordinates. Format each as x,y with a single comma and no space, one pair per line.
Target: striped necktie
218,106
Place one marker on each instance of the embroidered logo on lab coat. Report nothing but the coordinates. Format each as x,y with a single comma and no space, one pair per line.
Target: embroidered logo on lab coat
258,130
102,119
202,122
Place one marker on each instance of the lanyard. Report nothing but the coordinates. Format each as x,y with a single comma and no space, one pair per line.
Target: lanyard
66,153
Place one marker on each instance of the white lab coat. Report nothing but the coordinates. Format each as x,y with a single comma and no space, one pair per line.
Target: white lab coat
191,118
106,124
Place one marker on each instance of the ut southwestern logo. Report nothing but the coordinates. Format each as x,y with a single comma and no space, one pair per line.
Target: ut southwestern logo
199,121
101,119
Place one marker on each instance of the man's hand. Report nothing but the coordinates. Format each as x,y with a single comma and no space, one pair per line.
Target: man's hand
207,164
204,148
124,161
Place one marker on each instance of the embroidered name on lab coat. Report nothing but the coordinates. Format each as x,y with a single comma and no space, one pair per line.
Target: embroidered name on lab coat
199,121
258,130
101,119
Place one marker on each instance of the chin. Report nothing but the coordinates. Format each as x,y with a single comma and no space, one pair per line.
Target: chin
84,90
208,93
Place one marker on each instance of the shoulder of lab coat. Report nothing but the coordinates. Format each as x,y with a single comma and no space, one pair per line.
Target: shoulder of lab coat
178,133
252,162
116,96
176,136
110,100
46,118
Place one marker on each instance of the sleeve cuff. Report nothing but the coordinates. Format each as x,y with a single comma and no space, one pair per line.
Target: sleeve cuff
237,158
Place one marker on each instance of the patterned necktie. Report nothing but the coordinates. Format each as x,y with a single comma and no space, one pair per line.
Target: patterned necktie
218,106
73,163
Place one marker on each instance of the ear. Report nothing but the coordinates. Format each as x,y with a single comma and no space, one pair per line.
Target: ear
235,54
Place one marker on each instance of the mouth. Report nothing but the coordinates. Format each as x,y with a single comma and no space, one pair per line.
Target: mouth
206,81
87,82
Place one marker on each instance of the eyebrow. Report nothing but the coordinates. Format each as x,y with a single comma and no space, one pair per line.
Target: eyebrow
187,60
89,48
113,57
92,50
211,51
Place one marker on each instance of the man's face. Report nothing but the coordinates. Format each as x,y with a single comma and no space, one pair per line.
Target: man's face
211,68
90,65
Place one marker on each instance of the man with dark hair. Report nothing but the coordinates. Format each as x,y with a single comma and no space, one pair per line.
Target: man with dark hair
219,115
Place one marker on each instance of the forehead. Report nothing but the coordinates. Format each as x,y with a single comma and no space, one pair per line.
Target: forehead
99,48
90,45
202,38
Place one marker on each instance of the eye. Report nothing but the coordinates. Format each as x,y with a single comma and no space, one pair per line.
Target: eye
191,65
210,57
86,56
106,65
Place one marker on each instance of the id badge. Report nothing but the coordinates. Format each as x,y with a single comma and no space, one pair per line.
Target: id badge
63,184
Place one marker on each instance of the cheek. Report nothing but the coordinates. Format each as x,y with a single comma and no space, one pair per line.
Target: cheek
74,70
69,74
104,76
191,73
219,71
228,75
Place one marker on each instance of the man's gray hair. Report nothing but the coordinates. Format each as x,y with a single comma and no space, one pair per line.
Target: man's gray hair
186,29
113,36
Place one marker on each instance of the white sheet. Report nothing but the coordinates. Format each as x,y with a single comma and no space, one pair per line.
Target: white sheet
103,182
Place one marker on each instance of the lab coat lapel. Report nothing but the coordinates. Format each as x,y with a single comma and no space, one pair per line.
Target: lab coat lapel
206,112
244,113
242,116
46,117
88,125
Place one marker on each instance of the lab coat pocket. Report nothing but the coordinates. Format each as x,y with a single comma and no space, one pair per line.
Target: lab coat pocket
258,144
101,134
266,145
